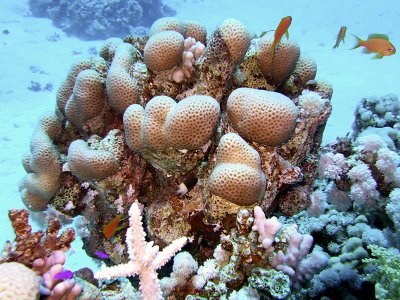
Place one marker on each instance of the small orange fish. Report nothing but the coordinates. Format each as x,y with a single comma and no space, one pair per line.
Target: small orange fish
281,30
111,228
376,43
340,37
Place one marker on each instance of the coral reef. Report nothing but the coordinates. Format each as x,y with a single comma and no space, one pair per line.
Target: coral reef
201,129
98,19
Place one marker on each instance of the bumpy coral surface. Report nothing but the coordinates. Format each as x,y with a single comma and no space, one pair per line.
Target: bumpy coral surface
261,116
163,50
235,132
237,176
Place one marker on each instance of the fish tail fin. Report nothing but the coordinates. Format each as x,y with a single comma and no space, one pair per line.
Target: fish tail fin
359,42
272,53
378,56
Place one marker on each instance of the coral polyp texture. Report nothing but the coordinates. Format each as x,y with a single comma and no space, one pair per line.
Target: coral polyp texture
199,128
163,50
264,117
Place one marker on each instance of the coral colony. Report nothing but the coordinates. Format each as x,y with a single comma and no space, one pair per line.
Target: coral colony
203,145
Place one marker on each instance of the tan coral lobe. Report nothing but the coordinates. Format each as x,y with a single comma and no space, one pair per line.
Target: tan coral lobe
192,122
86,163
237,38
195,30
88,98
42,182
163,50
121,88
18,282
278,68
165,24
237,176
262,116
164,123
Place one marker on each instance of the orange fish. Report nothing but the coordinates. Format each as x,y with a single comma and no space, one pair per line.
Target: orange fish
376,43
340,37
111,228
281,30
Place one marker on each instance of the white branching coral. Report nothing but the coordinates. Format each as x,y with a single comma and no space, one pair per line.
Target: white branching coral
364,185
144,258
388,164
331,166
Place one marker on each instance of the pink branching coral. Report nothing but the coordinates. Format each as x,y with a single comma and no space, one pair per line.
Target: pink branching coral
53,288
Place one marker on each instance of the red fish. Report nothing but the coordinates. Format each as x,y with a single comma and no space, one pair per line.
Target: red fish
281,30
376,43
111,228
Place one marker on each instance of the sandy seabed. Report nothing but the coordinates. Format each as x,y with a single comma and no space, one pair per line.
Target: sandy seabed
34,51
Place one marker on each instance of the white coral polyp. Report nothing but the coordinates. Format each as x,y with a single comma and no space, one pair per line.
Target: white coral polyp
388,164
370,143
331,165
312,103
360,173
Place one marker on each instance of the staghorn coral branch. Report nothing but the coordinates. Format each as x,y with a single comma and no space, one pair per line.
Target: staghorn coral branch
164,256
145,258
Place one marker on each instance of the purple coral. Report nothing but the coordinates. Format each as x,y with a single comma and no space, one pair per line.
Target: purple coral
296,264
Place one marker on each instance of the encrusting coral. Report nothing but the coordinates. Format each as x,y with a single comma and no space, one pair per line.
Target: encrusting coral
199,128
29,245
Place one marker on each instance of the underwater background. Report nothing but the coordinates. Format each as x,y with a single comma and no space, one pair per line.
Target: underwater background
37,55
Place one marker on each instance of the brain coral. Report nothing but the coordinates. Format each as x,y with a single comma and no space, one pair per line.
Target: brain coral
262,116
189,28
237,176
221,145
195,30
305,70
164,123
18,282
236,36
163,50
